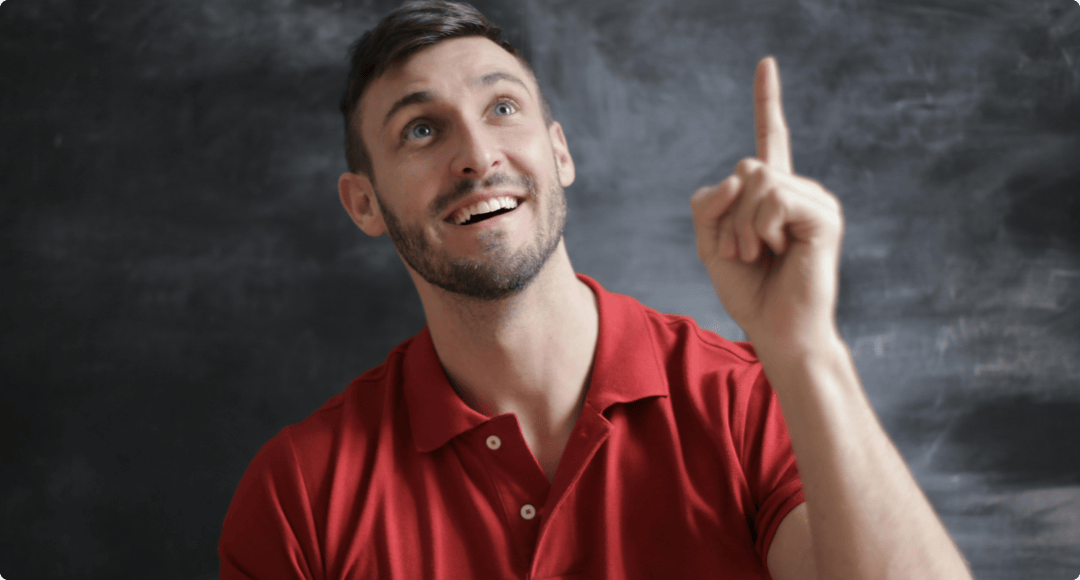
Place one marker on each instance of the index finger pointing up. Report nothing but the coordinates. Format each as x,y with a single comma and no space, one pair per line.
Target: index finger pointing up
773,142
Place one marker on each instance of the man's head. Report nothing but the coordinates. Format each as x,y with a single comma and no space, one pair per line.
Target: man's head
404,32
451,122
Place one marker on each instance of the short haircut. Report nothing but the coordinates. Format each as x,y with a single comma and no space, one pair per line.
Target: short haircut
404,32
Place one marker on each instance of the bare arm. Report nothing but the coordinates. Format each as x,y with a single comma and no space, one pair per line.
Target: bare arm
867,516
770,240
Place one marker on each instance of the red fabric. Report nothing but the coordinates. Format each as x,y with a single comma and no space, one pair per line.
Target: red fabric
679,466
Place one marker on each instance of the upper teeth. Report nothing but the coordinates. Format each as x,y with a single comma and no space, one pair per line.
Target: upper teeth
488,205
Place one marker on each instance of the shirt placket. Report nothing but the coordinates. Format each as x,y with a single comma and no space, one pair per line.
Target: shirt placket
521,484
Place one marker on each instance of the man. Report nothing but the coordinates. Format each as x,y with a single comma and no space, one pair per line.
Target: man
541,427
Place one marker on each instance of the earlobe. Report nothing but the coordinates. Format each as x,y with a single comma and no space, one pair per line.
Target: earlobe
357,196
563,160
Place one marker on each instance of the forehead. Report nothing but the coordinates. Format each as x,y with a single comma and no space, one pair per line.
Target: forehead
448,68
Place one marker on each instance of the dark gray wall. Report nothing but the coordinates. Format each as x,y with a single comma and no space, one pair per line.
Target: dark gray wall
179,282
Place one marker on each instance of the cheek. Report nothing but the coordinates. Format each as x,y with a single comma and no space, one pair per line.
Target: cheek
529,150
399,197
417,177
419,166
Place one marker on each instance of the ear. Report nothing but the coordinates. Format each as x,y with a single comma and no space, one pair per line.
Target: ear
563,161
358,198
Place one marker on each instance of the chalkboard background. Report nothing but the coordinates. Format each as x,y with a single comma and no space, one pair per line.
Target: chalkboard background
179,281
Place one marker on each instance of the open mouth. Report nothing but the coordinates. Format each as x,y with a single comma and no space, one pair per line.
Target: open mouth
479,218
483,210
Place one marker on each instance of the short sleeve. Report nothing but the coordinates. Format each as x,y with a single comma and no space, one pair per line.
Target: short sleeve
768,461
268,532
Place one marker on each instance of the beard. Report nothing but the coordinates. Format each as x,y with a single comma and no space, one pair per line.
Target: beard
501,272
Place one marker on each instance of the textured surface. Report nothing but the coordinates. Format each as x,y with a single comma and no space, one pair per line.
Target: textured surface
179,281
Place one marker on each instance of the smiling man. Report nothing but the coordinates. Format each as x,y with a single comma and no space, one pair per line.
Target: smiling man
463,203
542,427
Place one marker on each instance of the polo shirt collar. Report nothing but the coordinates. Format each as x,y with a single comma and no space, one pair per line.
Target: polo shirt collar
626,367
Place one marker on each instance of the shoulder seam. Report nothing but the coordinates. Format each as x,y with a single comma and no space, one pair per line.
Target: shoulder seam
706,336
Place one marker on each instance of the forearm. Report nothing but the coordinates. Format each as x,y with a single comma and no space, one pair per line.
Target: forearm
868,517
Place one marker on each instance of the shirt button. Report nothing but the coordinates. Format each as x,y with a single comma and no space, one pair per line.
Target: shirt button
494,442
528,511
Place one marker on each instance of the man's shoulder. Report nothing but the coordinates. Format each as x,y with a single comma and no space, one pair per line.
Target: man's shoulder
706,371
365,405
670,333
679,334
345,430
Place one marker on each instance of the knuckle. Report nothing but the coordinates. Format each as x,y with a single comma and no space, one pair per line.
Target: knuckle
835,218
834,202
724,187
821,189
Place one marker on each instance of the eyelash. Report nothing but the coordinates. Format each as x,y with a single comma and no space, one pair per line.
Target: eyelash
422,121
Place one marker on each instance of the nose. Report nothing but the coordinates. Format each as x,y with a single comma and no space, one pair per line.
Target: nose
477,153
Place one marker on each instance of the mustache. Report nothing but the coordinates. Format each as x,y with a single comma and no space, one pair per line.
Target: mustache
465,187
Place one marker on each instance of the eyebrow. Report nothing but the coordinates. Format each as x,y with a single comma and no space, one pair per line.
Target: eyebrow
409,99
418,97
492,78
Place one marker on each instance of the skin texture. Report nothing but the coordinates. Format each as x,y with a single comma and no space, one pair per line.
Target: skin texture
770,240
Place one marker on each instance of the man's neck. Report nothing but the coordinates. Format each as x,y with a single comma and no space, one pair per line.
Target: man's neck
530,354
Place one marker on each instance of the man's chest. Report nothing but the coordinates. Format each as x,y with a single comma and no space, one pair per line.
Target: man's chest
622,505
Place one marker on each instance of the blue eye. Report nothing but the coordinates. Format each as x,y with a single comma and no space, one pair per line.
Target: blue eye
504,109
419,131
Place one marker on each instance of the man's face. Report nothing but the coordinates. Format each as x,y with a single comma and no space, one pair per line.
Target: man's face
459,129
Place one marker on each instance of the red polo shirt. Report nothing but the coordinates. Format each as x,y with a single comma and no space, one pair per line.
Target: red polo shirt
679,466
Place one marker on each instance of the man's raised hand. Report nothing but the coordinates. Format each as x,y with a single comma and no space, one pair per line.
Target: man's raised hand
771,242
770,239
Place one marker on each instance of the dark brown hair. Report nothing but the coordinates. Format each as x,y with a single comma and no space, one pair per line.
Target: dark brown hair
404,32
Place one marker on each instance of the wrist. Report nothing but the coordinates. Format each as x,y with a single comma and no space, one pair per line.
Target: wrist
813,355
801,342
